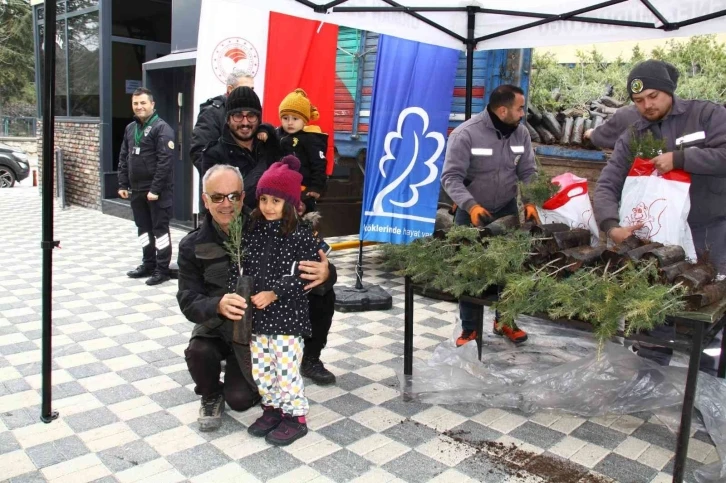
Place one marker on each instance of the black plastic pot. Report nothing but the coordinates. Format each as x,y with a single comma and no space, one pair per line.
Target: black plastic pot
242,331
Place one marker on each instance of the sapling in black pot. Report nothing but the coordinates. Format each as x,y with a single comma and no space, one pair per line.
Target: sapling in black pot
242,330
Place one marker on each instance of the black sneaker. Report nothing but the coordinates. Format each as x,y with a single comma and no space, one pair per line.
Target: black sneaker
140,272
210,413
158,277
313,368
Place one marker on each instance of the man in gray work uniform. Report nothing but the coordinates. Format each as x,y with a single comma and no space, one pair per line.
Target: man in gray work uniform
607,134
695,136
486,157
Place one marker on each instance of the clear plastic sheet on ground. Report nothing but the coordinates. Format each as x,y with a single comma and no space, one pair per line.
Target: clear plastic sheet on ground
558,369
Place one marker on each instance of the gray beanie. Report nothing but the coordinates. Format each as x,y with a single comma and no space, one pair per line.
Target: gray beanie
653,74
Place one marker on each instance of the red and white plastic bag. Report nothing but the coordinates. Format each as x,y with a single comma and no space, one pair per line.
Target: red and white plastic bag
571,206
661,202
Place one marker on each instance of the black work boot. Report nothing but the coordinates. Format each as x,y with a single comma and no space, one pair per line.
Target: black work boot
210,413
313,368
158,277
141,271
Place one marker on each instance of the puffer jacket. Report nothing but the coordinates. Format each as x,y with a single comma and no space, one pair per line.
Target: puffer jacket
309,147
272,258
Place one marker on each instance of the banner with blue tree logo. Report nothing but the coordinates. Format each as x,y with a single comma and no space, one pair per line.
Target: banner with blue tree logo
413,88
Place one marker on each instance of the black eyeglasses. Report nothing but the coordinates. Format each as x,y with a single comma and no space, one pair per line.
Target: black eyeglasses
219,198
239,116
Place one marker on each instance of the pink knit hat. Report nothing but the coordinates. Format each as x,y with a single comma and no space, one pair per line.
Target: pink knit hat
282,180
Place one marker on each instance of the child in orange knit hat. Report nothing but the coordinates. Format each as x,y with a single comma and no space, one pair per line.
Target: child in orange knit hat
307,143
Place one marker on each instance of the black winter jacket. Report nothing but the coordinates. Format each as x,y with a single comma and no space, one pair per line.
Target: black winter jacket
211,120
251,164
206,274
309,148
272,259
151,169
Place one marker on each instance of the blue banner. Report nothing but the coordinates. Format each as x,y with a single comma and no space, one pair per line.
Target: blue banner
413,88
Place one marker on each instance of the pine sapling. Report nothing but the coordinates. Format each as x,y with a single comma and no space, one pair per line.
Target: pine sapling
646,146
540,189
233,244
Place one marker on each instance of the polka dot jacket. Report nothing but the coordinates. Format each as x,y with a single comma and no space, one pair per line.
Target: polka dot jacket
272,259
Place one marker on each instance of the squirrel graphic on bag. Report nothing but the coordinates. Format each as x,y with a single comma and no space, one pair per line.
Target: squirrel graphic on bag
649,215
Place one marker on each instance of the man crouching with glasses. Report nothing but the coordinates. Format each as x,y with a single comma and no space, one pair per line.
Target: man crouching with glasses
207,281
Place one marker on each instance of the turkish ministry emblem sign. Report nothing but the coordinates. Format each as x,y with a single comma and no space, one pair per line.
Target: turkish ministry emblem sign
233,55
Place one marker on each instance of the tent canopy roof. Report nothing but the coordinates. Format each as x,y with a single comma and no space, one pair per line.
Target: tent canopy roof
501,24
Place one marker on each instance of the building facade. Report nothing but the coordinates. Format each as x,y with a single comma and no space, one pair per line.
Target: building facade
107,48
100,48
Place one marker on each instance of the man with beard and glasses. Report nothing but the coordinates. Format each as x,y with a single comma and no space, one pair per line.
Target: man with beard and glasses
238,145
486,157
212,117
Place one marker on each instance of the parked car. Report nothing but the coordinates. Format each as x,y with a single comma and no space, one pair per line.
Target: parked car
13,165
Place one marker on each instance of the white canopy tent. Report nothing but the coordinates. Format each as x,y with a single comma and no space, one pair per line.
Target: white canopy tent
496,24
528,23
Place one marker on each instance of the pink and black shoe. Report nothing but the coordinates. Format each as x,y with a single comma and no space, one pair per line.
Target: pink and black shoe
289,430
265,424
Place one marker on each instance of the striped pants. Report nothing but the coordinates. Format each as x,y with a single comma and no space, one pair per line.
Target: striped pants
276,371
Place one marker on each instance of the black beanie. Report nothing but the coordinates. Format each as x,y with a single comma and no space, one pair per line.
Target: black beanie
653,74
243,99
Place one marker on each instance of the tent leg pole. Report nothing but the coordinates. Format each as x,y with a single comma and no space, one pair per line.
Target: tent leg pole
471,22
47,244
359,268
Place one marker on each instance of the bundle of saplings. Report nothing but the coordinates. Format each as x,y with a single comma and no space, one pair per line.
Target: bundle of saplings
566,127
553,270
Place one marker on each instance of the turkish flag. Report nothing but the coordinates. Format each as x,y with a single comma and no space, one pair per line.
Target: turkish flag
301,53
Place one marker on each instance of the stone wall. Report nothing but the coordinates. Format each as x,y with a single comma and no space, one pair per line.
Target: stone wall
80,142
29,145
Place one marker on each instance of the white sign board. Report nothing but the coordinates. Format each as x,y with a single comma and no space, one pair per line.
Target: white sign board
132,85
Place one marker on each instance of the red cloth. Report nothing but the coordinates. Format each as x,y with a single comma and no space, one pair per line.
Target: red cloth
301,53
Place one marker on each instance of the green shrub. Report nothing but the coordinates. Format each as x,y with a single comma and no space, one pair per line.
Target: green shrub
701,62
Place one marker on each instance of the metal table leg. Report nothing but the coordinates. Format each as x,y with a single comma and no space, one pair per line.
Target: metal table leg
408,339
479,327
689,399
722,356
408,328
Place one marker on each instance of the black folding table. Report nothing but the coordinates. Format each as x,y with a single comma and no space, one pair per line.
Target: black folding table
703,326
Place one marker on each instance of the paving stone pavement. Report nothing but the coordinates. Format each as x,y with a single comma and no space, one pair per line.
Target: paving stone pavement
128,411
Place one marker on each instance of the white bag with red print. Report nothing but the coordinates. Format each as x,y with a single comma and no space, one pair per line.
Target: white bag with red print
571,206
661,203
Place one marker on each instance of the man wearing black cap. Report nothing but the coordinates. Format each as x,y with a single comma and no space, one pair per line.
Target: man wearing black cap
212,116
238,145
607,134
695,135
